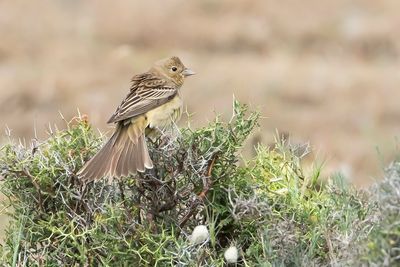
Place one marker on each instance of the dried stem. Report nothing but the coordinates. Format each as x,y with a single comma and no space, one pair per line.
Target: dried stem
200,199
27,174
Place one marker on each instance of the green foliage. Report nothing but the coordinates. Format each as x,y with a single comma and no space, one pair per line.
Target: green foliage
274,213
383,244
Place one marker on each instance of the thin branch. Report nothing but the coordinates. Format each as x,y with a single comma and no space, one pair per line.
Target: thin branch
206,187
26,173
122,192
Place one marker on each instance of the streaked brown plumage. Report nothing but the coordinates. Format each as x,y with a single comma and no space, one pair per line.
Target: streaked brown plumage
153,103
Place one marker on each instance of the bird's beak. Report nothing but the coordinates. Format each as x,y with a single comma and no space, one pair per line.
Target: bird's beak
188,72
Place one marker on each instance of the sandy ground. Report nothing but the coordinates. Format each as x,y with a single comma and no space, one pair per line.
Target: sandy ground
325,72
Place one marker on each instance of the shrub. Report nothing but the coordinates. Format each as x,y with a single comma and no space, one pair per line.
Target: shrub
267,208
382,247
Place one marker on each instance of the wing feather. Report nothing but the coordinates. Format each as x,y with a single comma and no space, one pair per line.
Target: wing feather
148,91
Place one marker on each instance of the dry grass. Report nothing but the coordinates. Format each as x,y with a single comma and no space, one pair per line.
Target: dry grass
326,72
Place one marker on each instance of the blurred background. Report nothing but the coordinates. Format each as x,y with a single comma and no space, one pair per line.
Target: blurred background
327,72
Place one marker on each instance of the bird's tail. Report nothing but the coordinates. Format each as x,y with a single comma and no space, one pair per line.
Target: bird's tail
123,154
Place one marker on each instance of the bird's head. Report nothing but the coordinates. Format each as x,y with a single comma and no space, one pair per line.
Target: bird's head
173,69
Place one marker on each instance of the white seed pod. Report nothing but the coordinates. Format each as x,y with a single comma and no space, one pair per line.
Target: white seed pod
199,235
231,255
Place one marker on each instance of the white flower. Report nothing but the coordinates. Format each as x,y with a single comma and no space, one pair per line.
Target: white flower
231,254
199,235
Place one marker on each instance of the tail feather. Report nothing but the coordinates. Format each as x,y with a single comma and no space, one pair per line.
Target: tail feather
124,153
98,165
148,163
118,148
140,161
122,165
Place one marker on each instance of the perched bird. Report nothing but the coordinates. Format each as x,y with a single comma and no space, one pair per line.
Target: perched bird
153,103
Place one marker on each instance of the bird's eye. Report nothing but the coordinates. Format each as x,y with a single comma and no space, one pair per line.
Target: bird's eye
174,68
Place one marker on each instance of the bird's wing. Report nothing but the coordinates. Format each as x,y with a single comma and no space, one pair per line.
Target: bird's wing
148,91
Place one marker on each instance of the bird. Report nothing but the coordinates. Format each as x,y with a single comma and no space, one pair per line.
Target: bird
154,102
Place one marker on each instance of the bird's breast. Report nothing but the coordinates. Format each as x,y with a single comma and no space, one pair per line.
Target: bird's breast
165,114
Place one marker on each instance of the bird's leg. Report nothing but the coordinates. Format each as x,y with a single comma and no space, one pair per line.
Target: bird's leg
162,137
152,134
157,135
